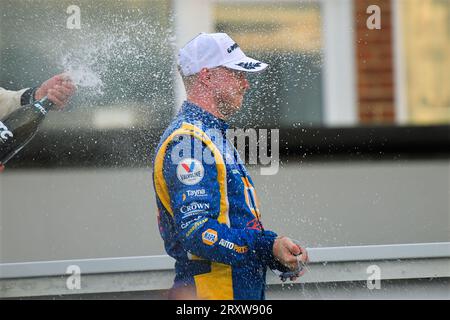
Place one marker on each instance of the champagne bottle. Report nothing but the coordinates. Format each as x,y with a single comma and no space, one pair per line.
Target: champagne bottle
19,127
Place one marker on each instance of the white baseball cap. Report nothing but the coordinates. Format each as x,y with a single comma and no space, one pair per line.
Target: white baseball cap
210,50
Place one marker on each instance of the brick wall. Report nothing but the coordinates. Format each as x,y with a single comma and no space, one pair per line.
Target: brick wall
375,69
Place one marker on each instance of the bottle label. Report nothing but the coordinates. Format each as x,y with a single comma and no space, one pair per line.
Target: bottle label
40,108
4,133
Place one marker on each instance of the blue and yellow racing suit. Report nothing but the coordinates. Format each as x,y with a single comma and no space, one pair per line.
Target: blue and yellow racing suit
208,211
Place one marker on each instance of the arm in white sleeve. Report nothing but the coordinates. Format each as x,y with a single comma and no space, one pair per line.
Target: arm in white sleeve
9,101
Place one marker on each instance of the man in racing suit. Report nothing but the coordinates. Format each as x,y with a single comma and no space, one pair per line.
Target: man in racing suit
208,210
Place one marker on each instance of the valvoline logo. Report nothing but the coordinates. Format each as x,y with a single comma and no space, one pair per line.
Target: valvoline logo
190,171
189,168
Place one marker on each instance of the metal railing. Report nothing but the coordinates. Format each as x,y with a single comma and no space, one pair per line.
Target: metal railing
164,262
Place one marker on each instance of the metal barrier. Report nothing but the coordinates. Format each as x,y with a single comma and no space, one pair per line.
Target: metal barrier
333,264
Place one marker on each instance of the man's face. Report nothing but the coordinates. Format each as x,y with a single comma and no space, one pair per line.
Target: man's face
229,87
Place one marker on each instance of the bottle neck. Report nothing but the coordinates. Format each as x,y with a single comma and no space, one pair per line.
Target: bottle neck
44,105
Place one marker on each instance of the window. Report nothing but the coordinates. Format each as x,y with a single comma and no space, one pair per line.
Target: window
424,61
288,37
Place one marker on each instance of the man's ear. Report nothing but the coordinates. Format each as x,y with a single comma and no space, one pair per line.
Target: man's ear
204,76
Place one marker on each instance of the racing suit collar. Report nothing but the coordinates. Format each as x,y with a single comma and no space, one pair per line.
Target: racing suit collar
196,113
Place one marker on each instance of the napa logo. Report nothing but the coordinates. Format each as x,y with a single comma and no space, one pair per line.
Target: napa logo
4,133
209,237
190,171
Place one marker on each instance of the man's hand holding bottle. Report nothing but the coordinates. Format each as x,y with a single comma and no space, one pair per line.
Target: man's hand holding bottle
58,90
291,255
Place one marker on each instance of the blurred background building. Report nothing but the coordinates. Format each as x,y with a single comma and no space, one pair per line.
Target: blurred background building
363,115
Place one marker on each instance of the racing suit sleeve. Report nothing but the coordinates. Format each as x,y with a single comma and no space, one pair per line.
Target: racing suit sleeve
200,213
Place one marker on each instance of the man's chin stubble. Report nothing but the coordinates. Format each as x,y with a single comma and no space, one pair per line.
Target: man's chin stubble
227,109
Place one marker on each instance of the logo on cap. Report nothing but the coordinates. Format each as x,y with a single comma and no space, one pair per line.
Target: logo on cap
249,65
233,47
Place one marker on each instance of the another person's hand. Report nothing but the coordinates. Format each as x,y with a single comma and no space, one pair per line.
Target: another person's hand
1,168
289,254
58,89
